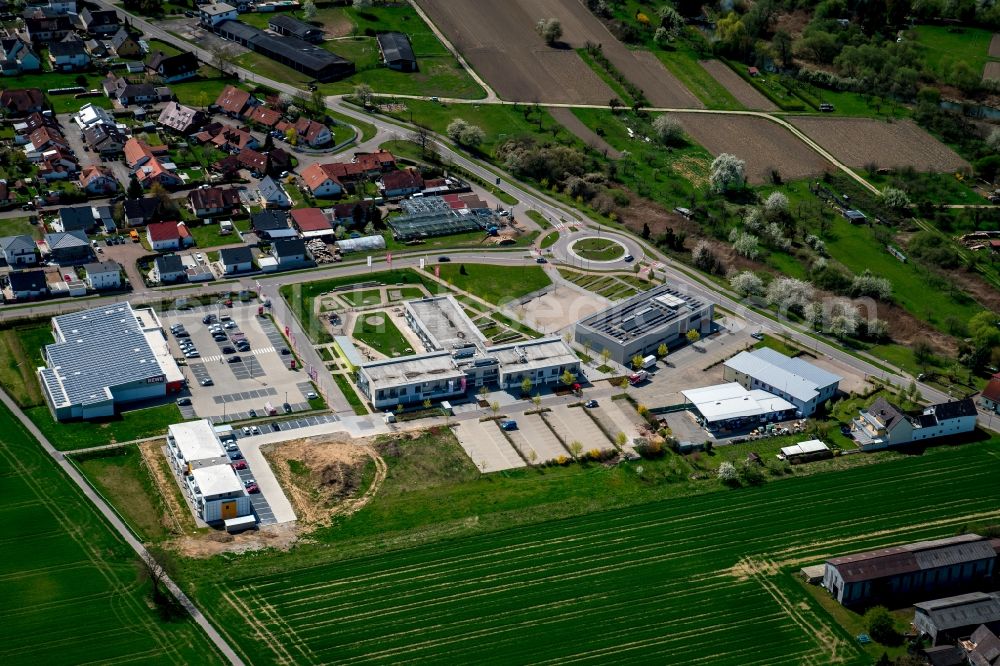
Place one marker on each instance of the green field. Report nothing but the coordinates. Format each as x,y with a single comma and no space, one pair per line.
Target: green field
127,426
947,45
71,593
439,73
21,350
495,284
683,63
362,298
654,582
378,332
344,384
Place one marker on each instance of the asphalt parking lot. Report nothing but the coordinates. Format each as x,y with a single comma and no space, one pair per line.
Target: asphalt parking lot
291,424
239,381
265,516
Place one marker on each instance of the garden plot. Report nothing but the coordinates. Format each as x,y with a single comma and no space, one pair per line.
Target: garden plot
533,435
744,93
486,445
860,142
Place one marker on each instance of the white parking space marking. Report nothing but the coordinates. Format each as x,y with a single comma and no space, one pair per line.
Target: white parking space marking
533,435
579,427
487,447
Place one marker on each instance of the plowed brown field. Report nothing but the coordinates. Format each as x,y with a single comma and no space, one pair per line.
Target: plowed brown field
744,93
760,142
858,142
499,40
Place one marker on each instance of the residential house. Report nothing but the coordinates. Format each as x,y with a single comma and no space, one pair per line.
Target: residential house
105,217
272,225
283,24
21,101
272,195
75,218
17,57
168,268
68,56
397,53
213,201
312,133
100,23
214,13
7,196
47,29
897,575
125,45
25,285
179,118
227,137
289,252
51,7
279,159
989,399
173,68
98,180
33,121
311,222
163,236
160,173
398,184
69,247
42,139
321,182
956,618
138,153
351,213
19,250
261,115
119,88
103,275
56,164
95,48
105,139
883,424
256,163
381,161
140,212
91,115
234,101
236,259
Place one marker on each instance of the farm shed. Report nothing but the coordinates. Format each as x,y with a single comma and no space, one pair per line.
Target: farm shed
396,51
805,452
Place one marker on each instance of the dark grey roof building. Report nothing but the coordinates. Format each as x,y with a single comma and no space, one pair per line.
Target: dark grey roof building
397,53
953,618
300,55
289,26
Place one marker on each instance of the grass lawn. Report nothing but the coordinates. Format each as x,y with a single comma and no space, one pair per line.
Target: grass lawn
16,226
200,92
530,548
946,45
345,386
135,424
376,330
404,294
439,73
496,284
21,349
549,240
158,45
302,297
362,298
778,345
598,249
682,62
208,236
126,482
52,80
72,594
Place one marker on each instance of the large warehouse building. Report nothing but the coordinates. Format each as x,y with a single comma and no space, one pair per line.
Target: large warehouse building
801,383
104,357
639,325
732,407
312,60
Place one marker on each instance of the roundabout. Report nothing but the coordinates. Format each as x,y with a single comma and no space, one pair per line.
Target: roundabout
602,251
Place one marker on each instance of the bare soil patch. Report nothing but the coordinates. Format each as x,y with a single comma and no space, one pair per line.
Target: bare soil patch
499,41
763,144
991,72
995,46
280,537
340,26
858,142
794,23
567,119
744,93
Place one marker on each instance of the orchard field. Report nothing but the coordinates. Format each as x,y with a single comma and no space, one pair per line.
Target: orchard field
702,579
71,590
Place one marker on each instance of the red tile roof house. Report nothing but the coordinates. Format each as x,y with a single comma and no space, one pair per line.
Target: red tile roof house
312,133
320,182
155,172
311,222
401,183
97,180
232,139
168,236
22,101
381,161
139,152
254,161
261,115
234,101
990,397
212,201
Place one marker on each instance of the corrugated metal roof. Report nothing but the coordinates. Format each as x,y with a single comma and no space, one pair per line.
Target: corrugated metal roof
794,376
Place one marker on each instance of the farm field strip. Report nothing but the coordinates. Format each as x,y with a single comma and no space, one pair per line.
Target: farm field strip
656,579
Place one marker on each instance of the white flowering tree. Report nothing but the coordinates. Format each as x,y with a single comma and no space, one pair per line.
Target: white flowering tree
747,283
728,172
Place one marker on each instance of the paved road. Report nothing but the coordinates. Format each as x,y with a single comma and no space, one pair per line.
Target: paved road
563,251
112,518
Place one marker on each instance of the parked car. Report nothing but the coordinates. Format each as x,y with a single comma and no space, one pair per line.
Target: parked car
233,359
249,482
508,425
240,464
253,489
274,426
287,408
208,319
590,404
246,431
232,446
207,381
228,349
183,401
311,395
253,413
255,430
235,455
